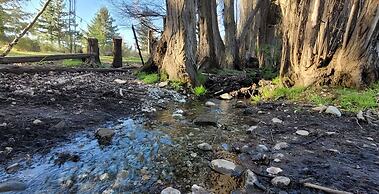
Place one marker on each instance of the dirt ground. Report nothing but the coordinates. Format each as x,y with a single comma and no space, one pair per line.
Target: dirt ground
40,110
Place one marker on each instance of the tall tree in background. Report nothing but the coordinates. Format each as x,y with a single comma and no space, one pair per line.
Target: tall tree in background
102,28
12,18
231,56
53,23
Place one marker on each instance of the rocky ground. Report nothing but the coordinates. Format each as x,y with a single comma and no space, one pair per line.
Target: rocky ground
215,146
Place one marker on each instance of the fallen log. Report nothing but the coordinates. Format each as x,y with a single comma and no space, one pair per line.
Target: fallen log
40,58
325,189
21,69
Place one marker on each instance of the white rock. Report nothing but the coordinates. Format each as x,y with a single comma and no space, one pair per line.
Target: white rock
262,148
226,96
205,147
274,170
209,103
226,167
120,81
170,190
37,122
177,116
104,176
360,116
302,132
179,111
333,110
277,160
13,168
163,84
281,145
276,120
198,190
320,108
281,181
3,124
251,129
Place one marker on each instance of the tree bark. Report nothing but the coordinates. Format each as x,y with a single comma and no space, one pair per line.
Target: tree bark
93,48
231,53
175,53
330,42
117,52
206,49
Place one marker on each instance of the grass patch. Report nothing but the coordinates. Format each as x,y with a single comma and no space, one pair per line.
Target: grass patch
200,90
148,78
355,101
72,62
176,85
201,78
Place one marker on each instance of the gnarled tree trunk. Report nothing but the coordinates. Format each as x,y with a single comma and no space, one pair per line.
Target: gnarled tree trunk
175,53
330,42
218,42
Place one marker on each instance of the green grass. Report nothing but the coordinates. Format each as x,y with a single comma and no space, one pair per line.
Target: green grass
176,85
350,100
200,90
148,78
29,53
201,78
131,59
72,62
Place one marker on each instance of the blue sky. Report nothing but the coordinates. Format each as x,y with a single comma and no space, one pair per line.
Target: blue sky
86,10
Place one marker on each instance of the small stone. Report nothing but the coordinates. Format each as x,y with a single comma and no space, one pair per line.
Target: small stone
193,155
261,112
333,110
108,191
331,133
251,129
13,168
3,124
198,190
179,111
170,190
120,81
8,150
163,84
240,104
226,167
177,116
281,145
302,132
206,120
209,104
262,148
104,176
226,96
277,160
360,116
281,181
8,186
37,122
104,135
205,147
276,120
274,170
60,125
370,139
279,155
320,108
250,179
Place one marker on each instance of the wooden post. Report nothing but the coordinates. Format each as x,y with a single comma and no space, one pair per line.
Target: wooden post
150,43
117,52
139,50
93,48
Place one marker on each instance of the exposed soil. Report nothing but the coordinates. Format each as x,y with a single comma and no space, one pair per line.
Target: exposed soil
41,111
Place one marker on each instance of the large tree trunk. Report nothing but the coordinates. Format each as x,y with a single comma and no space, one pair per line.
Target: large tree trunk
218,42
175,54
206,48
246,44
330,42
231,52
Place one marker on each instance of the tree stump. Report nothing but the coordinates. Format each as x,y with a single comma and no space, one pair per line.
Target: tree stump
117,52
93,48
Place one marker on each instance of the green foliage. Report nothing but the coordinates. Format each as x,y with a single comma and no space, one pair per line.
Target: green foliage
102,28
148,78
200,90
354,100
72,63
201,78
176,85
269,73
163,76
320,100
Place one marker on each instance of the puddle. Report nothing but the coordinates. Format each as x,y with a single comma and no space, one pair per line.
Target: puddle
125,166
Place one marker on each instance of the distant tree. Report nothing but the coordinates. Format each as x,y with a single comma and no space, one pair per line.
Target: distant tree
12,18
143,29
102,28
52,24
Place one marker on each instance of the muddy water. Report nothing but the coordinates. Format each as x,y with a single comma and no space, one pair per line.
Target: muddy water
145,156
